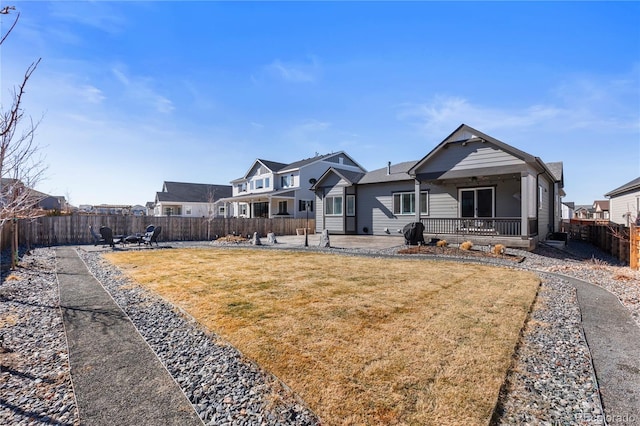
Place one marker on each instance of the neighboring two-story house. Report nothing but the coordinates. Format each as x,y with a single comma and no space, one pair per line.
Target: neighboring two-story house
271,189
601,209
191,200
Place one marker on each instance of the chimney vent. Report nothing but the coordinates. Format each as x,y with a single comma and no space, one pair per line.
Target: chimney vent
388,168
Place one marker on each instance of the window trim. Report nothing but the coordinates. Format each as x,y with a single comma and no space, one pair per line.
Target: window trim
350,205
424,195
333,203
475,201
286,207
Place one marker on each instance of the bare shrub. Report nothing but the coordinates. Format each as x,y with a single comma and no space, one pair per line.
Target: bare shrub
466,245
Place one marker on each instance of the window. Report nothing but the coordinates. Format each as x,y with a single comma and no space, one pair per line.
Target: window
251,185
242,187
351,205
476,202
540,196
266,182
302,205
242,209
259,184
333,206
282,207
187,210
221,211
405,203
286,181
170,211
261,209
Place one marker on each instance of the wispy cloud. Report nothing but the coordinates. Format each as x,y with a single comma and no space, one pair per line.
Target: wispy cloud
296,72
579,104
140,90
95,14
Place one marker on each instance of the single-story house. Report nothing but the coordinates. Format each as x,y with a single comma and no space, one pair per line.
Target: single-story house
191,200
271,189
469,186
624,203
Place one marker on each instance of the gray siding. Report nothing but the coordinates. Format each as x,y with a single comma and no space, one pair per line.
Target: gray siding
544,207
620,205
334,224
470,156
374,204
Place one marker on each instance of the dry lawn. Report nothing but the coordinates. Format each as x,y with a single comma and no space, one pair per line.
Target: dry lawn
363,341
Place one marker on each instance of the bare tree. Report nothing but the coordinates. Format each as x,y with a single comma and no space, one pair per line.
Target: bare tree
21,168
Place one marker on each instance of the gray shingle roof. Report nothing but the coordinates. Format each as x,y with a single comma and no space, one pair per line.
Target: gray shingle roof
304,162
629,186
274,166
556,168
398,172
192,192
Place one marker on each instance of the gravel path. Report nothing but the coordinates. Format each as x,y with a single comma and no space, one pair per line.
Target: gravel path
551,380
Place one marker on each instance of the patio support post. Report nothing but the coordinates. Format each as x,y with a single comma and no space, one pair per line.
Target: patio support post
417,200
524,204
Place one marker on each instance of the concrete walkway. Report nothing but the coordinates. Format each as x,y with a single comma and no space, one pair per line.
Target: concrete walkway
614,341
117,378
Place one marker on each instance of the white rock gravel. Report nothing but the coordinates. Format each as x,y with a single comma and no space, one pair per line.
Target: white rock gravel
551,380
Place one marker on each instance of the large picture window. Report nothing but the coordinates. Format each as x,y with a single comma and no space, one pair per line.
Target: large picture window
333,206
477,202
405,203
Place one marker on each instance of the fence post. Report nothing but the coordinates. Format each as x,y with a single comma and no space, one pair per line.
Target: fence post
634,247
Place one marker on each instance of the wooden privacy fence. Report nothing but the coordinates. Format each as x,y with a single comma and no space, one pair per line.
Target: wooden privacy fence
615,239
634,258
74,229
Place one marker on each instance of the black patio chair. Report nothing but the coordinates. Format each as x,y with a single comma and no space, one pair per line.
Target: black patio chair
97,239
107,235
152,237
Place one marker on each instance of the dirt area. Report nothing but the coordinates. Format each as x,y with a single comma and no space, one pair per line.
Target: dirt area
455,251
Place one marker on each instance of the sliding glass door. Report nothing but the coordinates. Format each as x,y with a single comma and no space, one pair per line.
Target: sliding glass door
477,202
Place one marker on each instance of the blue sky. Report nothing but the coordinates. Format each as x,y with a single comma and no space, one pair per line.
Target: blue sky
135,93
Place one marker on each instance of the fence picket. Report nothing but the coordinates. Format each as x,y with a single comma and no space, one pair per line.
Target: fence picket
74,229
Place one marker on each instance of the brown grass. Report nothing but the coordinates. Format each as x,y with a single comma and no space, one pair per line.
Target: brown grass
363,341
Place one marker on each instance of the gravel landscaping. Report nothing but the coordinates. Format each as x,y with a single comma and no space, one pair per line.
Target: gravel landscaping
551,380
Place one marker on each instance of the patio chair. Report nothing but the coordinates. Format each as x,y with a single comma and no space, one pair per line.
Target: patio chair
107,236
97,239
152,237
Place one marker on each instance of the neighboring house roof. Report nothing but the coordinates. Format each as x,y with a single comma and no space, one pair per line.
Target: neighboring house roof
301,163
479,136
601,205
274,166
183,192
634,185
569,204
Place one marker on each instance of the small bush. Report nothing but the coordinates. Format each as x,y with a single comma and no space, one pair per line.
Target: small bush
499,249
466,245
441,243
